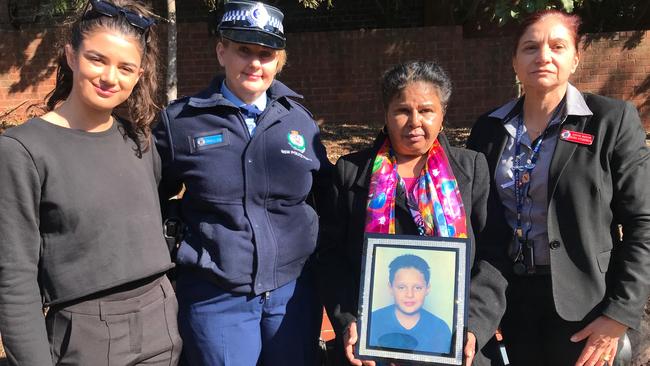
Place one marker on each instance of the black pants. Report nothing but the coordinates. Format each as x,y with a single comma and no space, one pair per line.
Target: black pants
534,334
137,330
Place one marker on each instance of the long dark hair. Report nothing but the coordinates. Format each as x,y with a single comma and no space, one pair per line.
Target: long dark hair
142,105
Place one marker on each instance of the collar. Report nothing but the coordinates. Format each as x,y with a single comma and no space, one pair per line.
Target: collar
259,103
503,111
575,105
212,96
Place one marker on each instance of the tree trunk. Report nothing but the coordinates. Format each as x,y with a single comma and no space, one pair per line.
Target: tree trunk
171,82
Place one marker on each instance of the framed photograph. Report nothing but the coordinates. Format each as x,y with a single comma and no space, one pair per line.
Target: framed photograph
413,298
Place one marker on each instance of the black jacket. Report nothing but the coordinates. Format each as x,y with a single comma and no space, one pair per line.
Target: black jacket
591,190
342,231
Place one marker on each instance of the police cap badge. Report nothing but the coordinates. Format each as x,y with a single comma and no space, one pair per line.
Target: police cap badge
253,22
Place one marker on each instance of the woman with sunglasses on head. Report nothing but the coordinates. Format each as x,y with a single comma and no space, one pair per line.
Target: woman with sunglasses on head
81,231
570,172
249,156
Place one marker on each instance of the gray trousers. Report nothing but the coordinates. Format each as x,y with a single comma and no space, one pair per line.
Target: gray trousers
141,330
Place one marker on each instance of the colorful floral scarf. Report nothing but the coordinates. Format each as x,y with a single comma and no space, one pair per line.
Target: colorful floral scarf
436,192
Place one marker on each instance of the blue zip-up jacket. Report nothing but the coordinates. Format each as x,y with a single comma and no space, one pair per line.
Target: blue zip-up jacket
247,223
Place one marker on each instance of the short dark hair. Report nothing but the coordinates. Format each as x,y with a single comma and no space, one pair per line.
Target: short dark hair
398,77
408,261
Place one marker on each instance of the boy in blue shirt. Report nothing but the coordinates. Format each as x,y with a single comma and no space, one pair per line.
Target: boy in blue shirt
405,325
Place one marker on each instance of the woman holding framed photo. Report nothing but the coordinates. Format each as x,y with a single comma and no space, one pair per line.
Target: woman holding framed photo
410,181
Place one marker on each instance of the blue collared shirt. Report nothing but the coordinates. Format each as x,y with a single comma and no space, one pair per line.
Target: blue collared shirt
254,110
534,210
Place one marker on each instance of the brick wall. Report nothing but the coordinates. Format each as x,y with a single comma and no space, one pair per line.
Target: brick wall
27,69
339,71
618,65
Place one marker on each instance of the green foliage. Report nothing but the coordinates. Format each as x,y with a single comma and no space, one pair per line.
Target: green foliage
507,10
55,8
213,4
597,15
568,5
314,4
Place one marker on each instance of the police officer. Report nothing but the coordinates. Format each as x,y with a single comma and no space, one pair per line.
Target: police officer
249,156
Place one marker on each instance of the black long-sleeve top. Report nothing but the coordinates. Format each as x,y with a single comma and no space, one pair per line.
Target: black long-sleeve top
79,214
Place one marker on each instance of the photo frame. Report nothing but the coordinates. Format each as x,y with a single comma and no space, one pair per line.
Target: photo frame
413,298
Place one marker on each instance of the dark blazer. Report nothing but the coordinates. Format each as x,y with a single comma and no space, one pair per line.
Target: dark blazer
591,191
342,231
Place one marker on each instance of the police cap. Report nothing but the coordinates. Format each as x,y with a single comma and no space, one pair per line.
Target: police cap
253,22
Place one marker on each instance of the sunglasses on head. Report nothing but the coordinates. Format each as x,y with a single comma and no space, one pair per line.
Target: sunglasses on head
109,10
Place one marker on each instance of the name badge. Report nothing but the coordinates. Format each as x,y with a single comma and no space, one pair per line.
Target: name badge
507,184
208,140
577,137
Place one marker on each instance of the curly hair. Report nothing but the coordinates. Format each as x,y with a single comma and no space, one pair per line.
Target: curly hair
142,106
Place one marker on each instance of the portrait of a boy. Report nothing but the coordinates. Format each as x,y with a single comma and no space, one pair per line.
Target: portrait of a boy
406,324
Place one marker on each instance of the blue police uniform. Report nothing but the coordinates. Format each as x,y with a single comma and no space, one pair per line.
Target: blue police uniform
248,228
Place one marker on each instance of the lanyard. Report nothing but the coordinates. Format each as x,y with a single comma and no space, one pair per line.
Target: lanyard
522,172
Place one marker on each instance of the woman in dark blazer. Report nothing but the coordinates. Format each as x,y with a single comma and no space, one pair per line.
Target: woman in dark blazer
569,171
415,96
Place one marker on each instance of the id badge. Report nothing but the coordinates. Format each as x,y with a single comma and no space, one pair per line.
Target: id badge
529,256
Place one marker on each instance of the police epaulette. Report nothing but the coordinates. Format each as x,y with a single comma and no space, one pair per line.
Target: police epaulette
179,99
303,107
